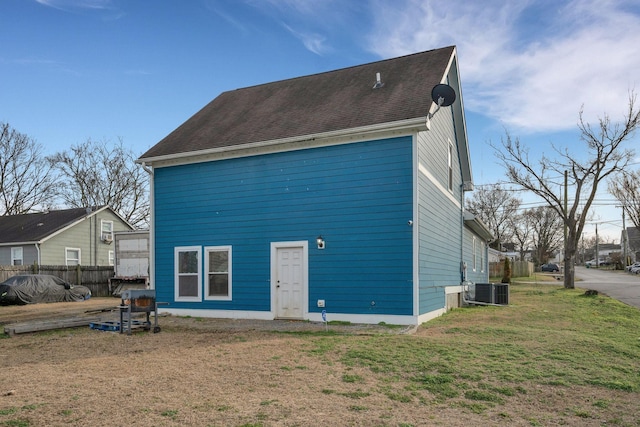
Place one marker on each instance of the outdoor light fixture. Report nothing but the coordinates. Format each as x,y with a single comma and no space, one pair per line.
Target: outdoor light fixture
320,242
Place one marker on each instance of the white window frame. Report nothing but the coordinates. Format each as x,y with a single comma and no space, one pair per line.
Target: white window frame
109,230
483,250
207,251
198,273
111,257
450,166
17,254
475,254
67,259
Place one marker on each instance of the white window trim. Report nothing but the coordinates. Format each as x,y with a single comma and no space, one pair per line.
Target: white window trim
483,250
207,250
14,257
102,230
176,269
475,254
111,257
66,255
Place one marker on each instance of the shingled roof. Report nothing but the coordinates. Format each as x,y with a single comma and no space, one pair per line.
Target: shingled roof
34,227
633,234
311,105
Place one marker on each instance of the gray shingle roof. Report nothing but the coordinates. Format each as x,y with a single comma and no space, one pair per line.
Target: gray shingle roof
633,234
33,227
315,104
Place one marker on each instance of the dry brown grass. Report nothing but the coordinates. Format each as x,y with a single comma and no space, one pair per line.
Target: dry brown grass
207,372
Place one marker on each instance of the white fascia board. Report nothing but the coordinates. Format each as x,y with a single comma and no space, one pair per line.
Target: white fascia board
19,243
116,213
343,136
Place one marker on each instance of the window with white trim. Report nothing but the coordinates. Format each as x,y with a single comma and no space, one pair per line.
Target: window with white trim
217,276
450,166
17,256
111,257
475,253
106,231
188,273
72,256
483,250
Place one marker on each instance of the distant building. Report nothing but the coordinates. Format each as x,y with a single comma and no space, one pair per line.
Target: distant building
633,243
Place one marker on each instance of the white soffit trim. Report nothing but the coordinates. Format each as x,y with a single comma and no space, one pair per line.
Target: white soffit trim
18,244
344,136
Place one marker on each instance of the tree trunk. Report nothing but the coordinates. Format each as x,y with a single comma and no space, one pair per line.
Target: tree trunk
569,272
570,250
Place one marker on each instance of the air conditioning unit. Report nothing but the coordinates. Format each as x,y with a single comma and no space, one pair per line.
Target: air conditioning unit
492,293
107,237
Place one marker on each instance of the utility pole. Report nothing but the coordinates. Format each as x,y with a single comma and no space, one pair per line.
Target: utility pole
566,196
566,216
597,254
624,240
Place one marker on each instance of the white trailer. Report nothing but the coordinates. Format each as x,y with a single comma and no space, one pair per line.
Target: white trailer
131,263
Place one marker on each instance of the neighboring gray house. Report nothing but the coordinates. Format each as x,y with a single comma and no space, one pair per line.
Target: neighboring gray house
80,236
633,243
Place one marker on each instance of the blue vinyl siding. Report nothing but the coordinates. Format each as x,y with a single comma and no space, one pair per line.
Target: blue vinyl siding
357,196
439,215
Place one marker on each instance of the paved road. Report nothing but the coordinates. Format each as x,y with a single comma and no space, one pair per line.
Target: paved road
620,285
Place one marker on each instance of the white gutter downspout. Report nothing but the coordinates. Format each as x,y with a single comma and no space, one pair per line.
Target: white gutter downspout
152,251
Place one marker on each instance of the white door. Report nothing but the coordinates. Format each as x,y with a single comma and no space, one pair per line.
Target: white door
290,277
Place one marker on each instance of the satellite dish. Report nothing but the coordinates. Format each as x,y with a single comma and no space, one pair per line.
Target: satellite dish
443,95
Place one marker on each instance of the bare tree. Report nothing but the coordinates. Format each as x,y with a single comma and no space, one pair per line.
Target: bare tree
605,156
626,188
522,227
97,173
26,178
495,206
546,235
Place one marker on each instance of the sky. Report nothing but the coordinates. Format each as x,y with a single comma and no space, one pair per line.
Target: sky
72,70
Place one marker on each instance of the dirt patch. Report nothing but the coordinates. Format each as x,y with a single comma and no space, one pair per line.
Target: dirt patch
215,372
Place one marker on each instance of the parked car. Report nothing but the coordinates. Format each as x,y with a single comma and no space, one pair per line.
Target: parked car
551,267
632,266
36,288
601,263
635,270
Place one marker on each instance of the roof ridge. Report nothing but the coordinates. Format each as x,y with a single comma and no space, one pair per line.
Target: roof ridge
350,67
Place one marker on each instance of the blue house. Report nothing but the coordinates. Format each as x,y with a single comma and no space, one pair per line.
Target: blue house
339,192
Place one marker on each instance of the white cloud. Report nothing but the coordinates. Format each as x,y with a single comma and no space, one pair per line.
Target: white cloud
68,5
215,7
313,42
314,23
528,65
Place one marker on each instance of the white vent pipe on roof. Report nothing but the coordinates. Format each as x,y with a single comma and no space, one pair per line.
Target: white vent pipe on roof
379,83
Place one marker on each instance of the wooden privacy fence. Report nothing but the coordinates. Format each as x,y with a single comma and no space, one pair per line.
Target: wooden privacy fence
94,278
518,269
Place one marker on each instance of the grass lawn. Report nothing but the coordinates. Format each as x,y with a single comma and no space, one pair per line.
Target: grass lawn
483,358
552,357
